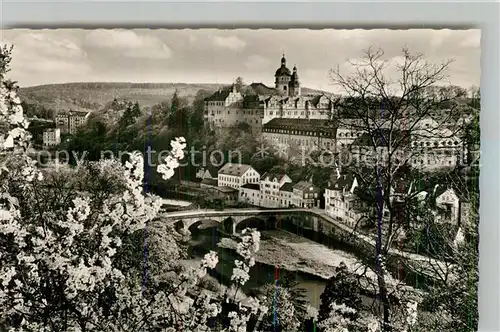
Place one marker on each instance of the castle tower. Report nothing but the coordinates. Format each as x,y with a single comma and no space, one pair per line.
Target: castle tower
294,83
283,78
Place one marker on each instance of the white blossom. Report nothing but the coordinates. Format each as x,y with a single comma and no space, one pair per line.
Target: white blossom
171,162
210,260
411,310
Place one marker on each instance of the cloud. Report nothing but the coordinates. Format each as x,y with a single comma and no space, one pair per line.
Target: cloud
214,55
43,45
256,62
231,42
472,40
440,36
192,39
128,43
40,53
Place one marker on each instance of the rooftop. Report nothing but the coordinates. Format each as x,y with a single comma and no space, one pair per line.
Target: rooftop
381,137
287,187
52,130
315,125
305,186
344,181
283,71
220,95
212,170
316,99
234,169
209,182
273,175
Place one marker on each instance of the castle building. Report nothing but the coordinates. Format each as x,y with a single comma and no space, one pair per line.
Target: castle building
300,134
259,104
228,107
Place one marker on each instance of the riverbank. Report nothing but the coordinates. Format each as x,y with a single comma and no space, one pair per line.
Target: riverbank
287,251
175,202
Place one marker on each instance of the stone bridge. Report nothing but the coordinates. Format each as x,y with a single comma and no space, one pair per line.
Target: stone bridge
232,220
235,220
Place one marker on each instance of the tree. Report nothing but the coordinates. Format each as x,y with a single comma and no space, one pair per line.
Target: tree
453,297
283,315
475,97
298,294
342,288
198,112
178,117
390,112
72,244
238,83
130,115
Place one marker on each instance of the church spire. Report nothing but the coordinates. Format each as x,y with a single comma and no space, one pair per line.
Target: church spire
283,60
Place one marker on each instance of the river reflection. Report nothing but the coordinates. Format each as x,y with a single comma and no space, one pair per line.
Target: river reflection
205,240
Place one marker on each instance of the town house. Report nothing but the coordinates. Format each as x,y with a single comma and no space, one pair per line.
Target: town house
237,175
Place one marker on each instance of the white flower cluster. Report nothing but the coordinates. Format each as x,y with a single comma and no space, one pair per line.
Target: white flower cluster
247,248
55,266
209,261
411,311
336,321
11,113
373,325
240,272
172,160
66,268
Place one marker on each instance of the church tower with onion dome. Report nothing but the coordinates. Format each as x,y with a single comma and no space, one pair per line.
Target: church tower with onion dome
294,88
283,78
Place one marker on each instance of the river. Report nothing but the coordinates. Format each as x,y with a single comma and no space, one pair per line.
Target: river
205,240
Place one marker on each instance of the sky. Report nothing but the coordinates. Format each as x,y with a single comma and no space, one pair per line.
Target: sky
219,56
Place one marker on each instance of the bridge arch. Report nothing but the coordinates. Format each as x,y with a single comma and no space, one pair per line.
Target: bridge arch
179,225
203,224
228,225
258,222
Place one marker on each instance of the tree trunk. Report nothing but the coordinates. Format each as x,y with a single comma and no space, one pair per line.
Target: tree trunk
386,326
